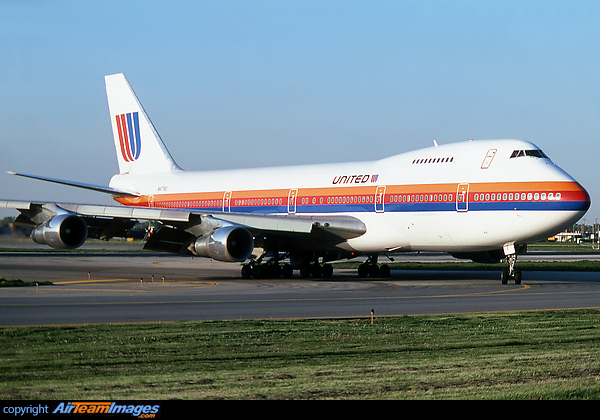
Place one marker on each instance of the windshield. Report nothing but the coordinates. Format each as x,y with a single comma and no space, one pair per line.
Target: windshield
533,153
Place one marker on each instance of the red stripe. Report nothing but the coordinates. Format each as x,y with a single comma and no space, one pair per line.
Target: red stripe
124,138
120,131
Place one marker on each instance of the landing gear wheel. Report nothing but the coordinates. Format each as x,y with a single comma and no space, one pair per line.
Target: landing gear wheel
246,271
504,276
363,270
510,271
373,270
287,271
517,276
384,271
327,271
316,271
305,271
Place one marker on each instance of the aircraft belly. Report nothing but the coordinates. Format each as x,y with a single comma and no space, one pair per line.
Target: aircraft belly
458,231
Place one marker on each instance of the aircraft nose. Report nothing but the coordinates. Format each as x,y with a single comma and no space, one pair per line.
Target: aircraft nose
583,197
588,200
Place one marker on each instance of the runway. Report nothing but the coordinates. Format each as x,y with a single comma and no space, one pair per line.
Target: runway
137,287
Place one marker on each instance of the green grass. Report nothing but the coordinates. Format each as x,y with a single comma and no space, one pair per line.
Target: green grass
20,283
528,355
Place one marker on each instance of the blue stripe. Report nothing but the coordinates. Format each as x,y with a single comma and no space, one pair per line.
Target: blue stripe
416,207
138,140
133,128
131,136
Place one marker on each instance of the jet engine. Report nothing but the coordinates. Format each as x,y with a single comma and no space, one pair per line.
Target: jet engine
65,231
229,244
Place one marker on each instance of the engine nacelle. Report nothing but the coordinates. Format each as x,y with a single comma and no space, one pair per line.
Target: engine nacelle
65,231
229,244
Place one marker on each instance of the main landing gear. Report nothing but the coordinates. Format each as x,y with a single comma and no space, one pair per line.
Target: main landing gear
511,271
274,269
268,270
371,269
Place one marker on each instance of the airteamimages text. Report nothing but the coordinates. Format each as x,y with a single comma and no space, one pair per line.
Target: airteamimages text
140,410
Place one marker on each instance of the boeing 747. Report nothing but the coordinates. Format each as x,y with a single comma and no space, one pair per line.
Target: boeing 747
480,200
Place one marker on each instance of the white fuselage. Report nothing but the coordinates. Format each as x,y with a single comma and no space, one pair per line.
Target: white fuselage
470,196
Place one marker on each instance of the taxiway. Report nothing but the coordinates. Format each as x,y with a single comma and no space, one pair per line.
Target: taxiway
142,287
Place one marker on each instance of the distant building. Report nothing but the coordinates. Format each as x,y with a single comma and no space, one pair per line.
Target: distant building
566,237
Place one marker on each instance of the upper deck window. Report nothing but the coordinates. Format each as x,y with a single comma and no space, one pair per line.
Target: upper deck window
533,153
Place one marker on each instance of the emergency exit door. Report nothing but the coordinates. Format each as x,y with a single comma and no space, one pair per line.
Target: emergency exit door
292,201
462,197
227,201
380,199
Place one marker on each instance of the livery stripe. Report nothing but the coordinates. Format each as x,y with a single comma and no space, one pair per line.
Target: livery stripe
131,143
138,141
128,128
402,198
120,130
128,157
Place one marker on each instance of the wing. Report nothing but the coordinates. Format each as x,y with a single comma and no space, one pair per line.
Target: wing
223,236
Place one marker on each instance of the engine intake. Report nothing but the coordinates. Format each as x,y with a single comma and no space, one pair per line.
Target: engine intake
65,231
229,244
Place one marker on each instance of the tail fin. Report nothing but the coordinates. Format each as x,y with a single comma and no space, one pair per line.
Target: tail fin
139,147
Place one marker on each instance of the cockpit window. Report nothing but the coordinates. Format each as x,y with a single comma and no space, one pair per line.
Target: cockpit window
533,153
536,153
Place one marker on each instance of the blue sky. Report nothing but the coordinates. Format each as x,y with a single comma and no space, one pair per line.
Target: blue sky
266,83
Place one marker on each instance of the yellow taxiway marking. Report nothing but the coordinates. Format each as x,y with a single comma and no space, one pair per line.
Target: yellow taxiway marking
136,287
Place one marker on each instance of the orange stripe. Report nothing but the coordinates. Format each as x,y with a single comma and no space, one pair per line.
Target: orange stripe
571,191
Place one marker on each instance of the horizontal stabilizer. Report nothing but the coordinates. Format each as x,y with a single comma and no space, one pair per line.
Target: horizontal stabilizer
98,188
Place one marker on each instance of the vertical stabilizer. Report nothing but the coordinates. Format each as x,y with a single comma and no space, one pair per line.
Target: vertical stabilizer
138,145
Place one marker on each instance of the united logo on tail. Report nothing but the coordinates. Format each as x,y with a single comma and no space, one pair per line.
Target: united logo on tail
128,126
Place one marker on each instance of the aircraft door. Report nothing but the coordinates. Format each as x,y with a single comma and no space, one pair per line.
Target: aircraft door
380,199
151,200
487,161
462,197
292,201
227,202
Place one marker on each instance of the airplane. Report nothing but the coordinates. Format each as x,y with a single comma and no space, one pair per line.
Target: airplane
482,200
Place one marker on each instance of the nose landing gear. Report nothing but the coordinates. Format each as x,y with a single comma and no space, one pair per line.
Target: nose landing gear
511,271
371,269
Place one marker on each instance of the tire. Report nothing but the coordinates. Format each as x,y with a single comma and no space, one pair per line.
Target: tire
287,271
504,276
384,271
374,271
246,272
517,276
363,270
